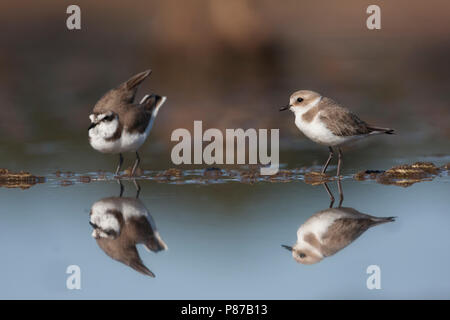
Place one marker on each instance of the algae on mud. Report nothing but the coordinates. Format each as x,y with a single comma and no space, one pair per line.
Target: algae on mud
23,180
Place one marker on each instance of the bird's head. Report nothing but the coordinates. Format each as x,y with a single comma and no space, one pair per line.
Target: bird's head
301,101
106,123
106,219
303,255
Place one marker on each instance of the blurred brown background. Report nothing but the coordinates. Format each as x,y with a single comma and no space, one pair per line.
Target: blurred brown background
229,63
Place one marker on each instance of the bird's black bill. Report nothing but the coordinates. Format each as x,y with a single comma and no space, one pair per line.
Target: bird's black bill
284,108
93,124
93,225
287,247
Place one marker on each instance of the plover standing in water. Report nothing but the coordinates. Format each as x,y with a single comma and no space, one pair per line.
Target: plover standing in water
326,122
328,231
118,124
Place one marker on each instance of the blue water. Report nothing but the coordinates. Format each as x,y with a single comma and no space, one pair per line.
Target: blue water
224,242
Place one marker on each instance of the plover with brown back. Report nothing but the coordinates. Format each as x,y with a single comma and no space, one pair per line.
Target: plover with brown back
326,122
118,124
328,231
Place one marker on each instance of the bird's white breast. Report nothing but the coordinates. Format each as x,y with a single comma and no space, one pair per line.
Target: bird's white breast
317,131
128,142
132,208
103,219
319,223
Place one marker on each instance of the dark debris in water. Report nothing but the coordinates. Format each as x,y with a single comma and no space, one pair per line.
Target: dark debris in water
23,180
404,175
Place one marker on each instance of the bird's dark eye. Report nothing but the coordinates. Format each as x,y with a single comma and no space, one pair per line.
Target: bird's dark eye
108,118
299,99
302,255
110,232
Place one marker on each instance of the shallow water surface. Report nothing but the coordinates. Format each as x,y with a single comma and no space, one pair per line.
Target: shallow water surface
223,239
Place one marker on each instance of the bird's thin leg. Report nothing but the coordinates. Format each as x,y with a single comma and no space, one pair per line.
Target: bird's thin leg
121,187
138,188
341,192
330,156
330,194
339,163
120,164
136,163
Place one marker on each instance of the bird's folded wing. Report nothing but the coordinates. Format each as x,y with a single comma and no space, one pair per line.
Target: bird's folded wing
136,118
341,121
341,233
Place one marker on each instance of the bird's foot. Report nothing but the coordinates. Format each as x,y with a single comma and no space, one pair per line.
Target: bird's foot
316,178
129,172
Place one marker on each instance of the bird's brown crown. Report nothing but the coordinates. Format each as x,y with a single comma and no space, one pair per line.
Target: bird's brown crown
303,98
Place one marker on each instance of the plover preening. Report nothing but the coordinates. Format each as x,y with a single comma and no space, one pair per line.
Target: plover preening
119,225
328,231
118,124
326,122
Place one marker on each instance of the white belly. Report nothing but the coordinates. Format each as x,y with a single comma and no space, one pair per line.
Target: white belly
128,142
319,133
319,223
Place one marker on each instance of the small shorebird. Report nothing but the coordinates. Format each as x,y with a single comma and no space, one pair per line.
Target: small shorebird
119,225
118,124
326,122
328,231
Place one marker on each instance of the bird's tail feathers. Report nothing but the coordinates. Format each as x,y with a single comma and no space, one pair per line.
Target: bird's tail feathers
381,220
381,130
153,102
155,243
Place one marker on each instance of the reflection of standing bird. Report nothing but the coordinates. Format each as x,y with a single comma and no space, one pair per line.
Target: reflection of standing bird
119,225
326,122
330,230
118,124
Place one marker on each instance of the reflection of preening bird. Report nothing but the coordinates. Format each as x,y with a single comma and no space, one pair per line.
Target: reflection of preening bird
119,225
330,230
118,124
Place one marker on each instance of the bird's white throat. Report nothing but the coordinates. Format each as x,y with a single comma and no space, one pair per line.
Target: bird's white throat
104,129
127,142
103,219
300,111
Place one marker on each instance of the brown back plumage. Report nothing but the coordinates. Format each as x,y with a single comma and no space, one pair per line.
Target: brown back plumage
135,117
124,249
115,99
133,230
343,122
347,229
340,120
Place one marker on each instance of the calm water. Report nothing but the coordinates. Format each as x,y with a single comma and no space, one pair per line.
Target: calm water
224,240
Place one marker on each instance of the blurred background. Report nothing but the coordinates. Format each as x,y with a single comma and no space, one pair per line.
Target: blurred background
229,63
232,64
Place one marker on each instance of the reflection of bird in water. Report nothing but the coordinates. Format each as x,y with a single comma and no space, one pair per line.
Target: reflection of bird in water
330,230
119,225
